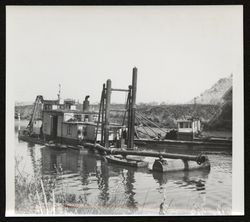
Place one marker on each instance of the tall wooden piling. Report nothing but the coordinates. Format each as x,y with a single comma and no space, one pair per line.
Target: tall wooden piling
129,116
103,114
107,113
132,109
100,115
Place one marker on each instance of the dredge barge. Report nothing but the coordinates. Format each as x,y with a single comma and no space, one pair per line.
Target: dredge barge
58,123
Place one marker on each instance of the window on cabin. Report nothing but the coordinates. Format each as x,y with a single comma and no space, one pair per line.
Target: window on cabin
181,125
86,118
78,117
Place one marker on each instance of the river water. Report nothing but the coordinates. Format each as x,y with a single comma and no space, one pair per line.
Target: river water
113,189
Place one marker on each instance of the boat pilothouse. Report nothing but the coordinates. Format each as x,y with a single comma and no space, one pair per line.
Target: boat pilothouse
187,128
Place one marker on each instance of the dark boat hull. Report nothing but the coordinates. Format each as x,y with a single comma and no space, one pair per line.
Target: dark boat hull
195,145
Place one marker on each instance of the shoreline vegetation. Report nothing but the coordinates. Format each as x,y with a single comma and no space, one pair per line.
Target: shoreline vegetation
164,115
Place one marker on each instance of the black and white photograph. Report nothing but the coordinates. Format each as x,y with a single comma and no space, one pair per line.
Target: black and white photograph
124,110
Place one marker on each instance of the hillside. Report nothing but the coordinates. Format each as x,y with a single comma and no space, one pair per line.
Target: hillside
223,118
166,115
215,93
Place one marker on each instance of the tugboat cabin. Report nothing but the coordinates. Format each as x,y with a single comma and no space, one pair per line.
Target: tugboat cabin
187,128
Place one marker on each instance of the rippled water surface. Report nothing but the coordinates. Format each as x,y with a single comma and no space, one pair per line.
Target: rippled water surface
85,176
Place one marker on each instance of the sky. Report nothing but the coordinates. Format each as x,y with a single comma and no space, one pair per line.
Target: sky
179,51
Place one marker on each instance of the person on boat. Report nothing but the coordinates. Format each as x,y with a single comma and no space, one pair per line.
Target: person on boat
124,135
79,135
123,138
116,139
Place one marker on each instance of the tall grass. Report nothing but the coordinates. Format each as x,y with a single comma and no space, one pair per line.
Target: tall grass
37,195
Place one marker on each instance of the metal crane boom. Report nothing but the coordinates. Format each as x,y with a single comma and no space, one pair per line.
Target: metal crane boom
39,99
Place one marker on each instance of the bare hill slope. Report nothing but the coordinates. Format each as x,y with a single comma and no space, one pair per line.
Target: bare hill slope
215,93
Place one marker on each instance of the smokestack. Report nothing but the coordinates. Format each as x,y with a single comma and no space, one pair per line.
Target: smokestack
85,107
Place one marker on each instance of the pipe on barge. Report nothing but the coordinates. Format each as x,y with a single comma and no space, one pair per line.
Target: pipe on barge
199,159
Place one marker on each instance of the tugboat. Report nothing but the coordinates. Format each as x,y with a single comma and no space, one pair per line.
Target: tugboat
188,135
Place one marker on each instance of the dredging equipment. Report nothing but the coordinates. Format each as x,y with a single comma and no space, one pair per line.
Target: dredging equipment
184,162
122,155
116,142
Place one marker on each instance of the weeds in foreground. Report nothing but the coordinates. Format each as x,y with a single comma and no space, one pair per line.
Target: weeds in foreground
37,195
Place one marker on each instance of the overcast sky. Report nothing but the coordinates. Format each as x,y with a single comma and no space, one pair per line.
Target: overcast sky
179,50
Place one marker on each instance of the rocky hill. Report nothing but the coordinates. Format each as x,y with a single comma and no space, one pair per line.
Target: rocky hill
223,118
215,93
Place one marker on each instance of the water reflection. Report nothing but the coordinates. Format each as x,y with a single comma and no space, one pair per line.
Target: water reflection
102,174
192,180
56,159
195,178
87,178
91,167
128,182
35,160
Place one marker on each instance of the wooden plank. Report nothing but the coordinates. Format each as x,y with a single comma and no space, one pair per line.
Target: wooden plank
120,90
118,110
